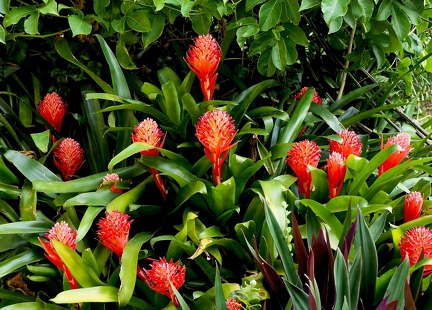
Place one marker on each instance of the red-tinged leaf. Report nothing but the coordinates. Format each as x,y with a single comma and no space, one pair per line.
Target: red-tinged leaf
409,300
383,305
311,276
348,240
271,277
301,252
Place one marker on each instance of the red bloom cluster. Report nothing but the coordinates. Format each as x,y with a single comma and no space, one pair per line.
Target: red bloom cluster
114,230
68,157
215,130
111,178
412,206
416,241
316,98
403,140
53,109
65,234
234,304
148,131
339,152
162,274
300,156
203,59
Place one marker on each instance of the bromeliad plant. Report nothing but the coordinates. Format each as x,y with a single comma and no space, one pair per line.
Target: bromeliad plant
238,203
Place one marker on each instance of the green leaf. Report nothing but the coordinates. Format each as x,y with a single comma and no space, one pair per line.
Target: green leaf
159,4
102,294
341,280
200,23
138,21
309,4
36,305
29,167
250,4
187,191
28,203
292,10
269,14
333,11
395,289
122,202
173,109
219,294
17,13
365,244
265,65
85,275
224,197
94,199
370,167
129,264
123,56
2,35
327,217
64,51
87,221
157,23
31,23
279,54
13,263
327,116
400,22
296,34
79,25
41,140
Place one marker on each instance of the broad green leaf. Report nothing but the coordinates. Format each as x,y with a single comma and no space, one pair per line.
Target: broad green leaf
122,202
7,294
341,280
36,305
41,140
187,191
265,65
224,197
296,34
354,278
365,244
273,195
123,56
31,23
138,21
250,4
384,10
27,227
94,199
219,294
269,14
327,116
400,22
62,48
28,203
309,4
79,25
395,289
29,167
333,11
85,184
157,23
292,10
13,263
279,54
129,264
300,299
172,102
17,13
87,221
6,175
370,167
325,215
85,275
200,23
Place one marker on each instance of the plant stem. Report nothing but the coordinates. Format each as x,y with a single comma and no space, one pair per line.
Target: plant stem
345,73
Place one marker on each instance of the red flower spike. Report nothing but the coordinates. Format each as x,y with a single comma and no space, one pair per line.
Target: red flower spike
415,241
351,144
162,273
53,109
68,157
148,131
65,234
403,140
412,206
203,59
336,170
300,156
316,98
114,230
215,130
111,178
234,304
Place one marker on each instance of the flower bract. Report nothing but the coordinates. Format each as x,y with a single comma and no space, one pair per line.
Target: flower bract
316,98
234,304
301,155
336,170
350,144
412,206
65,234
203,59
53,109
416,241
216,131
162,274
68,157
114,230
403,140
